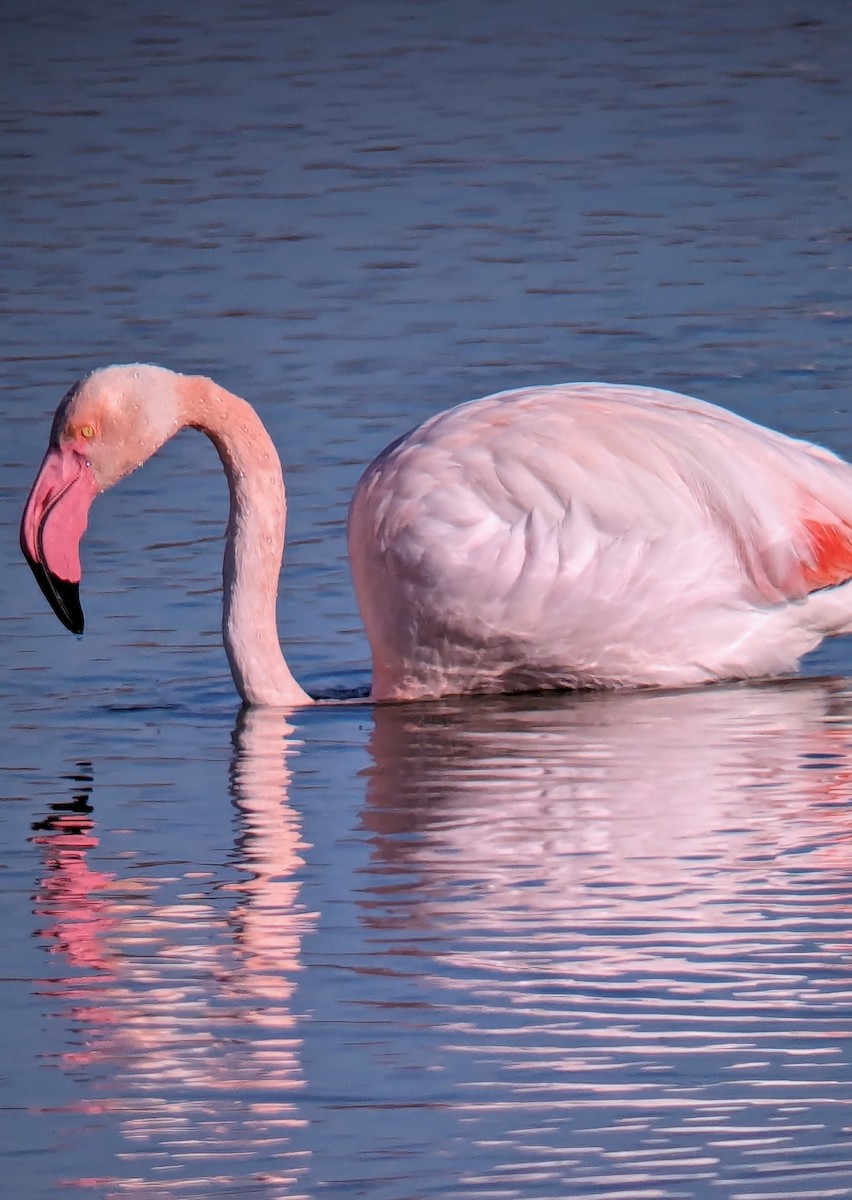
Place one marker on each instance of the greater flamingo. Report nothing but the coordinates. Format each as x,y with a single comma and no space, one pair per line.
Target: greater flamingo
581,535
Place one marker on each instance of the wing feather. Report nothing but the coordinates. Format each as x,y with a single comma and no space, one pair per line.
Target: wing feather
549,499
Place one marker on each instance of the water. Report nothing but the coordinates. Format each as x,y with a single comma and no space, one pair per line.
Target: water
530,948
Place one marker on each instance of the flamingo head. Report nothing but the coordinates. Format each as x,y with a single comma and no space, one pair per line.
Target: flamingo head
107,425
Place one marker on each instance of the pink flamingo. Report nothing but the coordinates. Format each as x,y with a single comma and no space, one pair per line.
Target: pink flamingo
582,535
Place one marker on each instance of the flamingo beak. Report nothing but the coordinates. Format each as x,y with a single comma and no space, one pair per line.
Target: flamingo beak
54,521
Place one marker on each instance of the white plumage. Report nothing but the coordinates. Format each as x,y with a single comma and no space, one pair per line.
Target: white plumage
591,535
582,535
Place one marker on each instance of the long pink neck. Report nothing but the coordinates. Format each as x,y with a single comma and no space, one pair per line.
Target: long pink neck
254,542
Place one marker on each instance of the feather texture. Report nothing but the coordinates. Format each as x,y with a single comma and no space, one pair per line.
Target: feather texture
592,535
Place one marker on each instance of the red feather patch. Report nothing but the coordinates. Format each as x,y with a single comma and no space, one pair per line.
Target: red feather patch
831,547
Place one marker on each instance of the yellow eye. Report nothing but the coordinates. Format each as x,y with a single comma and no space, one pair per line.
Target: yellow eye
87,431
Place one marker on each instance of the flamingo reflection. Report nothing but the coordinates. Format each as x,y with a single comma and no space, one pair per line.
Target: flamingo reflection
72,897
564,809
568,913
189,1070
631,916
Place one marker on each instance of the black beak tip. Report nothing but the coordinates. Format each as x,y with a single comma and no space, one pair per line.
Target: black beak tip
74,613
63,597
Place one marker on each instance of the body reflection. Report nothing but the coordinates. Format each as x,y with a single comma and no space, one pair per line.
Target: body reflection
185,1029
592,944
572,790
632,915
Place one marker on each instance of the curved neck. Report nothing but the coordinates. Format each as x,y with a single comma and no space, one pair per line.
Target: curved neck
254,542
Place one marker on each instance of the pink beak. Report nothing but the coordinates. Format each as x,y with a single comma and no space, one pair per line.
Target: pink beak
54,521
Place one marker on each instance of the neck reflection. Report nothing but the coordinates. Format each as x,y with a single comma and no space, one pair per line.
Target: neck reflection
183,1026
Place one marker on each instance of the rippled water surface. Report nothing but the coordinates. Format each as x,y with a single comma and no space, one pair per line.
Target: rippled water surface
532,948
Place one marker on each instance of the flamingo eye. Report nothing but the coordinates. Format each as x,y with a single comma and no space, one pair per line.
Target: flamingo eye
87,431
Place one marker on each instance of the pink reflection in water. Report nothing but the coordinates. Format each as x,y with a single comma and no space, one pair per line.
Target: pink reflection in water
634,916
676,841
203,1071
613,913
71,897
633,789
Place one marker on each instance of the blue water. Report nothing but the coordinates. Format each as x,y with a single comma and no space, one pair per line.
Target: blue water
531,948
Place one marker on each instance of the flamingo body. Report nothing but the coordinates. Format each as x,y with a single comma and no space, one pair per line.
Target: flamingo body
587,535
581,535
